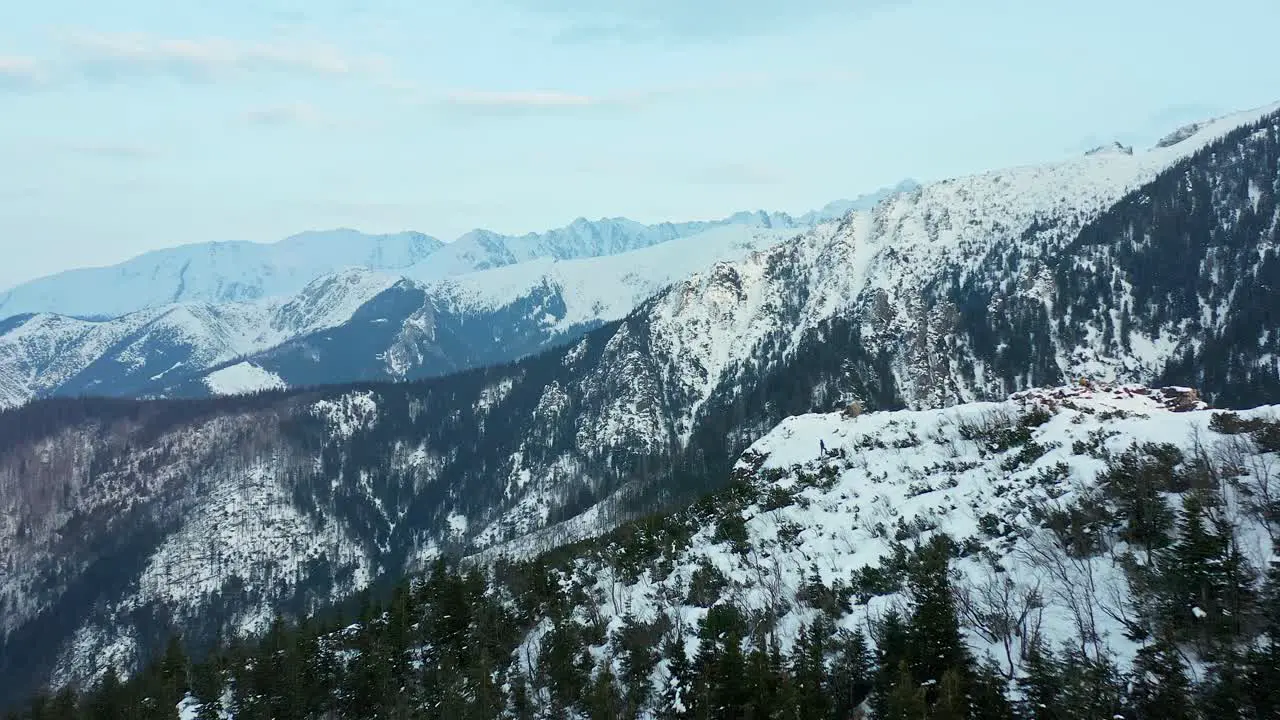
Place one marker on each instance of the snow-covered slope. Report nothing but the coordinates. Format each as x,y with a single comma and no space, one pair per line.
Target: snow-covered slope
883,270
240,271
214,273
477,318
963,290
41,354
606,288
824,497
235,300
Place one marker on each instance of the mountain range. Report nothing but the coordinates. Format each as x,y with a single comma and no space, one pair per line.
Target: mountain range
341,306
121,519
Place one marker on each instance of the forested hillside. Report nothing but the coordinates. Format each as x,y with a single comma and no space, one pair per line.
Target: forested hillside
121,521
1073,553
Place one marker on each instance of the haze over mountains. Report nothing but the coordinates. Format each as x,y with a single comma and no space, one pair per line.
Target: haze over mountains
238,271
340,306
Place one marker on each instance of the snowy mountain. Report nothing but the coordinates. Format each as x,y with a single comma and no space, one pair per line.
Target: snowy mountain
145,351
825,509
215,273
1158,267
221,318
351,325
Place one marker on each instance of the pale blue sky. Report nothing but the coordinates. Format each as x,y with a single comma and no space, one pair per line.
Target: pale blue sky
127,126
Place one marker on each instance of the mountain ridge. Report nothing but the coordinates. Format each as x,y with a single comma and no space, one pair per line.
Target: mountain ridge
234,271
1151,268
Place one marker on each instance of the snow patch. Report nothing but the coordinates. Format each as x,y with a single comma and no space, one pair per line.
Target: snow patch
242,378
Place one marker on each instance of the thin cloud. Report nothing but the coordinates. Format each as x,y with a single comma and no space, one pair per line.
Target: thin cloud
292,114
114,151
682,22
100,55
538,101
20,73
521,99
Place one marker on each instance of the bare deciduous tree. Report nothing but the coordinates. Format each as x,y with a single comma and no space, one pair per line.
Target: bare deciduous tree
1002,610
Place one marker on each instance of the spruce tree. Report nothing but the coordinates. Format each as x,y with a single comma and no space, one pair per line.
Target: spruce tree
1040,685
677,693
1205,585
1224,692
906,700
207,687
1263,663
891,651
988,693
935,644
110,700
1092,688
850,679
951,703
1136,482
603,701
762,683
809,673
1158,684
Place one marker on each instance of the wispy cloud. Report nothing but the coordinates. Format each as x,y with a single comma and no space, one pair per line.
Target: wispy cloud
681,21
206,57
113,151
102,56
541,101
291,114
20,73
521,99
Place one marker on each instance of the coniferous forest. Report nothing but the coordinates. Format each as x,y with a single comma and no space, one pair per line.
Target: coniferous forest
438,648
454,642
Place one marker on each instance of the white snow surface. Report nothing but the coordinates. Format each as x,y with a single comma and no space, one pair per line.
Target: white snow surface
859,483
43,351
879,260
601,270
241,378
214,273
221,272
608,287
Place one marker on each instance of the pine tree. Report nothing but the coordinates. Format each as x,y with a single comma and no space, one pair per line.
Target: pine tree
906,700
110,700
1262,672
1041,685
891,651
677,693
1158,685
1223,695
935,644
851,675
